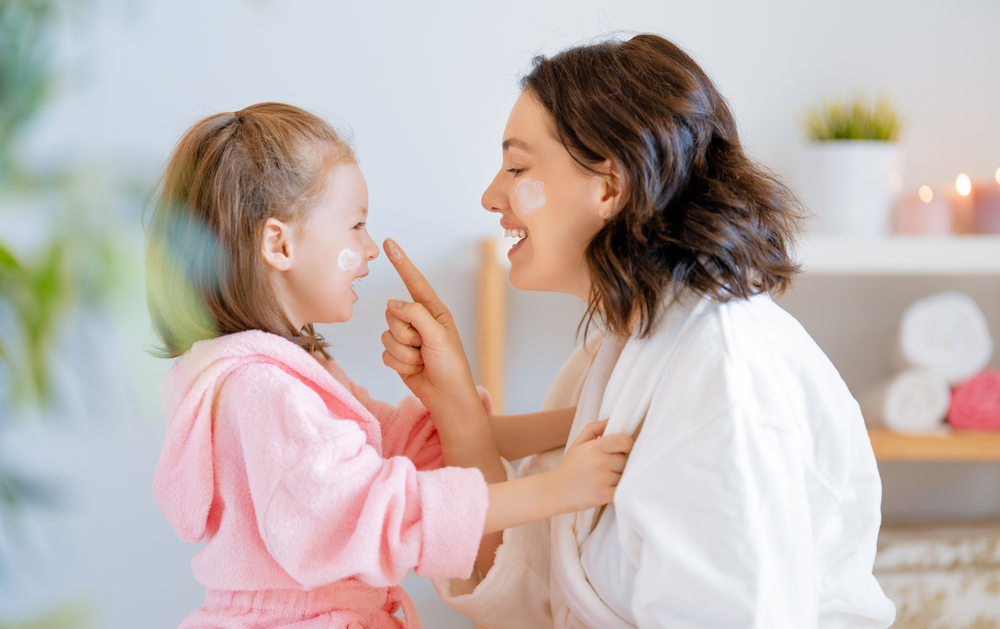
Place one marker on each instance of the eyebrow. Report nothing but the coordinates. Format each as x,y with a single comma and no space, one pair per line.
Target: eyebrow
514,142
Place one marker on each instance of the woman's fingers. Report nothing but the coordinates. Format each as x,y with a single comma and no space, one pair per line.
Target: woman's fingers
403,352
420,289
403,369
419,318
401,330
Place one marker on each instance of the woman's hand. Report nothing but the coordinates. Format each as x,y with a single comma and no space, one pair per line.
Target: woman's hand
590,470
422,343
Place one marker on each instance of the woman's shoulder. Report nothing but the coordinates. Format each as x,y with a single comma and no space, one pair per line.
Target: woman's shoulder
744,353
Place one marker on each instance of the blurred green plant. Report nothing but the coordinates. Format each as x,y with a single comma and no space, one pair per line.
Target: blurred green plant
856,119
26,74
37,294
77,264
67,616
61,255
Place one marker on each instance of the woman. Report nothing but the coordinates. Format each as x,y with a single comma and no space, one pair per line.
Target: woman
751,497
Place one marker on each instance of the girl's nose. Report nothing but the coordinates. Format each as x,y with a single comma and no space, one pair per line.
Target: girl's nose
371,249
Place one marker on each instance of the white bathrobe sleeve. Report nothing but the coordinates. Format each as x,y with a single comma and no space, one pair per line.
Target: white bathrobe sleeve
719,526
514,594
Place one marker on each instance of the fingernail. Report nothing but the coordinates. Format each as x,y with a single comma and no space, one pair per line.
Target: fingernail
395,304
391,248
416,342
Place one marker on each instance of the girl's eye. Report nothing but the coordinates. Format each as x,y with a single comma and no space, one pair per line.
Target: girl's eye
360,225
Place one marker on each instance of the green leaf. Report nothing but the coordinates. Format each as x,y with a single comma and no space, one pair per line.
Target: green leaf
7,259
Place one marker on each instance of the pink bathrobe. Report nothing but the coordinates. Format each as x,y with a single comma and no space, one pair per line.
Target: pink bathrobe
313,500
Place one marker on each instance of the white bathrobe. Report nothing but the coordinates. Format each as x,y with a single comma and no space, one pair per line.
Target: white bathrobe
751,497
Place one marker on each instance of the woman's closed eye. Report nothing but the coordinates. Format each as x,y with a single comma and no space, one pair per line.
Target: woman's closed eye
515,171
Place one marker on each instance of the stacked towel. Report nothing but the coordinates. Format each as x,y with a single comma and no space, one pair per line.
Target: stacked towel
914,400
975,404
943,343
946,332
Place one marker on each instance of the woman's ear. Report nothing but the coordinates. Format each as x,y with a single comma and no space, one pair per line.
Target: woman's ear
276,246
613,193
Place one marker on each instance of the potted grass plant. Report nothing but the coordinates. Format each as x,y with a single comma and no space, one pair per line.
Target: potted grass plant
854,166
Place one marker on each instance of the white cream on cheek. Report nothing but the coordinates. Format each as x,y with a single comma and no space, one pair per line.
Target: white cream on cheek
348,260
529,195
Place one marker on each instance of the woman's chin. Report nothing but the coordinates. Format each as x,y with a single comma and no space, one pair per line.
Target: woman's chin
522,278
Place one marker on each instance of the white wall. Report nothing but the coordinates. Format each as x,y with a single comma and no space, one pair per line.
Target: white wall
425,89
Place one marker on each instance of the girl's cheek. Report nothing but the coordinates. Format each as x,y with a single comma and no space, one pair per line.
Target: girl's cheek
348,260
529,195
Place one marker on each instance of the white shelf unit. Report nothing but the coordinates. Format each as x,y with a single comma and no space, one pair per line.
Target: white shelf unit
911,256
900,255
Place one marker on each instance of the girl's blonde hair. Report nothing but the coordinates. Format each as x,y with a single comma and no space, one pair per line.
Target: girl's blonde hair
230,173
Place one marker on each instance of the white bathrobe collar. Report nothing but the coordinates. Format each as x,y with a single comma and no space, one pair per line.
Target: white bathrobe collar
619,386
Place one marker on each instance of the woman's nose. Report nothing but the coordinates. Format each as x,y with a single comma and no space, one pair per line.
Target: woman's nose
494,200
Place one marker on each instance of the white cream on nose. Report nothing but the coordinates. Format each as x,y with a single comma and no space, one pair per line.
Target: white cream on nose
529,194
348,260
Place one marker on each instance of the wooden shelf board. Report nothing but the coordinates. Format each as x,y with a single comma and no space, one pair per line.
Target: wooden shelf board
951,445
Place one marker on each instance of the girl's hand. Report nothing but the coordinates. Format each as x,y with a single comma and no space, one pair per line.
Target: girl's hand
422,343
591,468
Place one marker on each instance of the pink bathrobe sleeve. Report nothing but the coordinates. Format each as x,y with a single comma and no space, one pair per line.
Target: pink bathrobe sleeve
328,505
407,429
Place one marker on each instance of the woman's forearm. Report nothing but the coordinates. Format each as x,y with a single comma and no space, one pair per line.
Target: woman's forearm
466,436
467,441
518,436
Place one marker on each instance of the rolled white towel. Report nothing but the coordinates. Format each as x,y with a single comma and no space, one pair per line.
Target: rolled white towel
946,332
914,400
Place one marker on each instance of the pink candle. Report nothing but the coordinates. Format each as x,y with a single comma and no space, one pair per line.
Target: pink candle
986,206
922,213
961,206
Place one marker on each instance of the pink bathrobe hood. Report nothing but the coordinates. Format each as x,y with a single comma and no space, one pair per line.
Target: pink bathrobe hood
184,481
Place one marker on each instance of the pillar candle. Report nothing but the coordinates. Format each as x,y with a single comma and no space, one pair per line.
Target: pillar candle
961,206
986,206
923,213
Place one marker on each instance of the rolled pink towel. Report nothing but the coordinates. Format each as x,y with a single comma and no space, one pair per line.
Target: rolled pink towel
975,404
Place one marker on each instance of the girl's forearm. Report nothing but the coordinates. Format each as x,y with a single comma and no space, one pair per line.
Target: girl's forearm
520,501
513,503
518,436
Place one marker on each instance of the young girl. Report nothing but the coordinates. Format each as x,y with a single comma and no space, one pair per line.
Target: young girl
313,500
751,497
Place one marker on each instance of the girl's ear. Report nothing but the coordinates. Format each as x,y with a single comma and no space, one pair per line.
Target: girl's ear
613,192
276,246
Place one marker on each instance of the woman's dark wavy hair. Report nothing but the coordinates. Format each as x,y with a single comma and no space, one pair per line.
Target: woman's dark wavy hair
697,212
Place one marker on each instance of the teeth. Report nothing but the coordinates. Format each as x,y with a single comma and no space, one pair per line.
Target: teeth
515,233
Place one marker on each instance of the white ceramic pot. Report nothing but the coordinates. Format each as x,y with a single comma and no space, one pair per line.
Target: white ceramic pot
851,185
